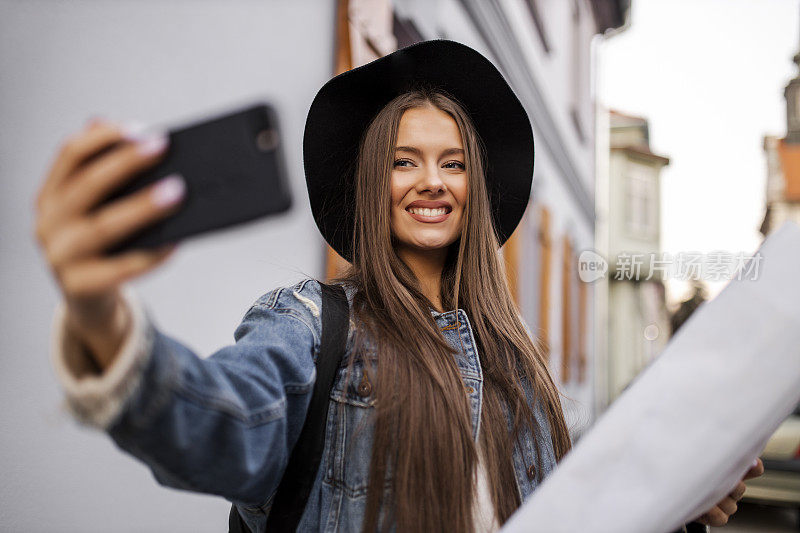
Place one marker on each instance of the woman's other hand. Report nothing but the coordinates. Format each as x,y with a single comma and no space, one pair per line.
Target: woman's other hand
720,513
88,167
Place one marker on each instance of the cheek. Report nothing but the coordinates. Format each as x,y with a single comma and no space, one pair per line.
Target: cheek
460,194
397,190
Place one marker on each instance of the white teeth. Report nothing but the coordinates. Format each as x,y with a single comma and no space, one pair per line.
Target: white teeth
427,212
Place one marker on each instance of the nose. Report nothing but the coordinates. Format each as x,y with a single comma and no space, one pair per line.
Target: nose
431,181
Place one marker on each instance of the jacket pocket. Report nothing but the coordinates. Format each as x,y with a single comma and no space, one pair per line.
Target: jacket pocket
351,432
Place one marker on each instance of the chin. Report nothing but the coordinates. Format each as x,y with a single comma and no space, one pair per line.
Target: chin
424,247
430,244
424,240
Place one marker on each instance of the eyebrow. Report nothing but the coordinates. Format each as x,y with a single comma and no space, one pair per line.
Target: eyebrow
416,151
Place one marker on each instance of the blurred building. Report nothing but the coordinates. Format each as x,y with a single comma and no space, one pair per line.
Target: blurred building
545,51
780,484
638,320
783,164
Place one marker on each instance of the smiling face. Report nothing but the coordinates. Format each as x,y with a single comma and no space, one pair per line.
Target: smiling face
428,181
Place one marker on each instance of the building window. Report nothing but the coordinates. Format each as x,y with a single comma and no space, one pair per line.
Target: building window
640,204
578,72
530,290
567,306
545,245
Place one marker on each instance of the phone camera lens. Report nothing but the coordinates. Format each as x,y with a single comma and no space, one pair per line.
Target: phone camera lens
267,140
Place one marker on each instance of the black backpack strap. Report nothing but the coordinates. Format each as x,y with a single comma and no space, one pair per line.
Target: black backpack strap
236,523
298,478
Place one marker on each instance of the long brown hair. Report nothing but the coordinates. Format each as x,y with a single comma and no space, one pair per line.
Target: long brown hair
422,428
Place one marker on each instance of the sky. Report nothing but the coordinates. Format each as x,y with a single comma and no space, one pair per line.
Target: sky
709,76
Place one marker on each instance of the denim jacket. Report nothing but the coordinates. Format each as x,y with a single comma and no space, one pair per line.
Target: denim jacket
226,424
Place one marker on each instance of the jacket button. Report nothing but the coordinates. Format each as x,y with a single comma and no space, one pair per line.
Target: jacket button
470,390
364,387
532,472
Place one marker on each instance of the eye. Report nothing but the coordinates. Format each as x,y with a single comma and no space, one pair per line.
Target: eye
459,165
399,162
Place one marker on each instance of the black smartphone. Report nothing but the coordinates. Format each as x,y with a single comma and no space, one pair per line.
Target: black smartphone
234,170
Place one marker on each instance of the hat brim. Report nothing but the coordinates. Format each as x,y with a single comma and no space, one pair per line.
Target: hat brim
345,105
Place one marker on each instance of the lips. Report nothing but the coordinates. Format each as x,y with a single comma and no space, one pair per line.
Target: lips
431,204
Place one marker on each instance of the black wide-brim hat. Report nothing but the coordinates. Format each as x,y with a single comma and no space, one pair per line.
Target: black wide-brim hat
346,104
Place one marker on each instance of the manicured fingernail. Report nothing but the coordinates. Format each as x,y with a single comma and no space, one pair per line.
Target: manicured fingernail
134,130
755,463
169,190
150,140
153,144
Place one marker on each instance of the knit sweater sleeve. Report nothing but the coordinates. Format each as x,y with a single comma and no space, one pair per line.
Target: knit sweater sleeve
93,398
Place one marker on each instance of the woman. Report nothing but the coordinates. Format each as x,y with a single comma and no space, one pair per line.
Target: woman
445,418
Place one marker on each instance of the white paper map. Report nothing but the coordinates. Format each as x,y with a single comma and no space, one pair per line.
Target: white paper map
685,432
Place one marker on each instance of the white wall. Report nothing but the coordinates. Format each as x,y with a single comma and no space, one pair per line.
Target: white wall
553,71
161,62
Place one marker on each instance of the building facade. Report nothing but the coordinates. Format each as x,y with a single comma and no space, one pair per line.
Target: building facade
638,320
783,164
